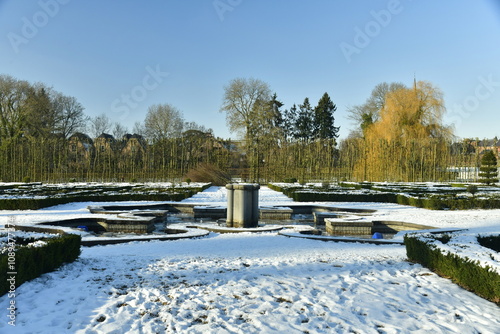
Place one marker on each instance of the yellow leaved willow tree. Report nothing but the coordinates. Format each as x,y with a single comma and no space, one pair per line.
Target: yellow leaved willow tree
408,141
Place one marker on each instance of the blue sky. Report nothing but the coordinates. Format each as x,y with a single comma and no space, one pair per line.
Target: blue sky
119,57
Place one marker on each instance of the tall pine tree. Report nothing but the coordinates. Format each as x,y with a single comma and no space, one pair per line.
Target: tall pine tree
277,118
323,119
289,122
488,172
304,123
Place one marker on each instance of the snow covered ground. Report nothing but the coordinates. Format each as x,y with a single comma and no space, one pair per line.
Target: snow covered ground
251,283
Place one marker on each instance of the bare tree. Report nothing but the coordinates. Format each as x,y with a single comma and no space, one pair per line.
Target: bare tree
369,112
197,127
99,124
70,116
163,121
245,103
139,129
119,130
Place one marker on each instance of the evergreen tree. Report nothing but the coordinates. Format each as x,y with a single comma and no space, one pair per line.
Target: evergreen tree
304,122
488,171
274,120
367,121
323,119
276,113
289,121
39,115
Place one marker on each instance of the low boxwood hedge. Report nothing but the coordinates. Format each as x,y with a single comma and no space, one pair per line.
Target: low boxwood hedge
31,262
430,201
300,196
491,242
95,195
466,272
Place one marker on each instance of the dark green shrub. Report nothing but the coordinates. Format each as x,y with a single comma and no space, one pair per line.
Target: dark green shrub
443,238
366,185
26,179
416,202
346,185
342,197
419,199
97,195
402,199
290,180
434,203
488,172
472,189
467,273
31,262
491,242
287,191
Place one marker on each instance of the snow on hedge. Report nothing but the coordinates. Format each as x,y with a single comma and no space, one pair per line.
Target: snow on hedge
465,245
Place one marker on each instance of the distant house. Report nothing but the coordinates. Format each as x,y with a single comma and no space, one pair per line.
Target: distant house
198,144
487,145
81,146
466,146
80,152
132,145
105,143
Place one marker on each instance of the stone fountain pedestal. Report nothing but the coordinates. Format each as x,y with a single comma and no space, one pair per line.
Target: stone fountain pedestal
242,205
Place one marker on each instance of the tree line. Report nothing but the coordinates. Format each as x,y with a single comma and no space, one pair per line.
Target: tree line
399,136
278,143
40,130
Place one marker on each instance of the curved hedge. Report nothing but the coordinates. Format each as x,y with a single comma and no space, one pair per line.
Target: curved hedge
465,272
491,242
342,197
95,196
31,262
432,202
39,203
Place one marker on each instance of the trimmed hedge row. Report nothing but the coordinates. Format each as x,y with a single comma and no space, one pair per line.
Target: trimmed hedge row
298,195
342,197
491,242
31,262
433,202
287,191
467,273
39,203
449,202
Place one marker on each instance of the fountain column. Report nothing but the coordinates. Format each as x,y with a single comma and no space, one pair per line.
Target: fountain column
242,205
230,201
